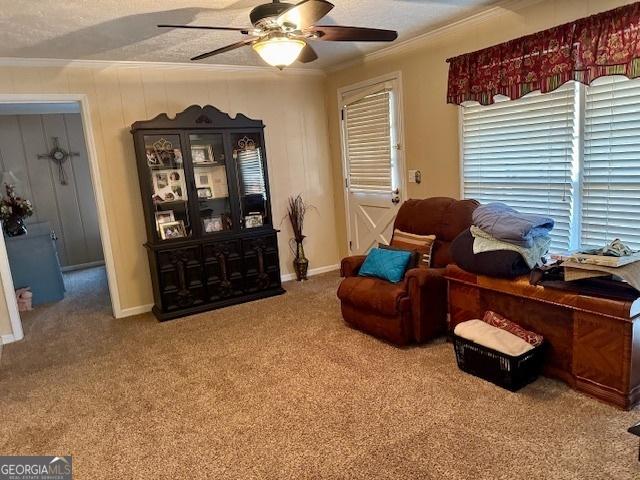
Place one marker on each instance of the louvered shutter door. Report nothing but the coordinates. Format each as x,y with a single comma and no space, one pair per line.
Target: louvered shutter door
368,143
250,164
521,153
611,181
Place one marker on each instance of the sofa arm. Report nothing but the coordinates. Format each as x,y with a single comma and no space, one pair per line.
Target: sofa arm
350,266
427,288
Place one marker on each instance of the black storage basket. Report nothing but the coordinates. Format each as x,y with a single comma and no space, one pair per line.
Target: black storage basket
506,371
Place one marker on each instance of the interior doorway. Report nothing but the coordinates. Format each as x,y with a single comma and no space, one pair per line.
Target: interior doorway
48,154
373,160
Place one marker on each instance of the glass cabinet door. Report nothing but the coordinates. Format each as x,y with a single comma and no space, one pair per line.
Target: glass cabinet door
210,179
169,194
248,155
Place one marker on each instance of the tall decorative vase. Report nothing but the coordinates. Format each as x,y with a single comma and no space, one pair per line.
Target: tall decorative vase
14,227
300,263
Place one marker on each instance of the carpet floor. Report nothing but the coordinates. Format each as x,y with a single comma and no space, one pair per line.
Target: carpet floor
282,389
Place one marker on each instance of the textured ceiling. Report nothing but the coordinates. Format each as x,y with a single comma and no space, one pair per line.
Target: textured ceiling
125,29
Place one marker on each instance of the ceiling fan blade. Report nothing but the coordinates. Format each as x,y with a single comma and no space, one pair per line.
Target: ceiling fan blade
228,48
304,14
336,33
307,55
205,27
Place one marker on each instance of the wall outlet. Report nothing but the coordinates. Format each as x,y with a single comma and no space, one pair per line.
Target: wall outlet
415,176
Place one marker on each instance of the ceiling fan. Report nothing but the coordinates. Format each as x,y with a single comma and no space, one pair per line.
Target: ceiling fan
281,30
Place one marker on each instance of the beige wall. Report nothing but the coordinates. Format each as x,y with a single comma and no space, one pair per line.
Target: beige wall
431,125
291,106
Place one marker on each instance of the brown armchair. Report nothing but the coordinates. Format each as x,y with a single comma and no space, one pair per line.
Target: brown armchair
415,309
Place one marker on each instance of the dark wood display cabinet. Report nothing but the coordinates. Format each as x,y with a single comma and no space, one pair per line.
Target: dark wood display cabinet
205,192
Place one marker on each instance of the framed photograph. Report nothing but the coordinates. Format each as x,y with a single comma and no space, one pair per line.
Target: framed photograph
253,220
177,191
203,179
218,182
162,180
205,192
202,154
169,185
212,224
171,230
164,216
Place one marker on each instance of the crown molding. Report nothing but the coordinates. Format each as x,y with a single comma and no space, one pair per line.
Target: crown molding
105,64
422,39
493,11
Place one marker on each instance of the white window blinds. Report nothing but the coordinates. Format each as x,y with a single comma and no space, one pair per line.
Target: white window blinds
521,153
251,174
611,178
368,142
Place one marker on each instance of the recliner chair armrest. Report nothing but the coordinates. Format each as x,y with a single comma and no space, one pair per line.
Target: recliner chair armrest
350,266
424,276
427,288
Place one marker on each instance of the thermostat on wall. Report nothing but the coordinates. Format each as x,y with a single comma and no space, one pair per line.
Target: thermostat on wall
415,176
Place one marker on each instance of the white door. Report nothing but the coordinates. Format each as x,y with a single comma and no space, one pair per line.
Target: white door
373,163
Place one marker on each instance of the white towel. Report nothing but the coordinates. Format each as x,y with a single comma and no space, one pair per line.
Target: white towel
492,337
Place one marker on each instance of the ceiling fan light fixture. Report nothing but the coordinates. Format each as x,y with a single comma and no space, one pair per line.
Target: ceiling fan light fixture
279,51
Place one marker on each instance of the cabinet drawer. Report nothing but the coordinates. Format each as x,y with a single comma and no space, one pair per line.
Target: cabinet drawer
261,264
223,269
180,278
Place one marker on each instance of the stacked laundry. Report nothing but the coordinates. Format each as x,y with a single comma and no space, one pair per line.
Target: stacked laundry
503,242
615,260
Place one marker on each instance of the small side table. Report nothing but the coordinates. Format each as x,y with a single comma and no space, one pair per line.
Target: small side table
635,430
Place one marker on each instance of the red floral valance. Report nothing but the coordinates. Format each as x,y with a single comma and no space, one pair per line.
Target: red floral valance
604,44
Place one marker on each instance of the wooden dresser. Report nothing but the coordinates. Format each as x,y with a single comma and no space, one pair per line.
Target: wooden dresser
594,343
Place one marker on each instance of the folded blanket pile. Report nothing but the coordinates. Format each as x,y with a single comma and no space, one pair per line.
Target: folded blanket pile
484,242
499,228
508,225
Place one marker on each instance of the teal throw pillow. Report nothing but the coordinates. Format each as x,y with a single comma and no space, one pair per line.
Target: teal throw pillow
385,264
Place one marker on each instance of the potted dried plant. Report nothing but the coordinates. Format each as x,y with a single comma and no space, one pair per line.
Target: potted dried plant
13,211
296,211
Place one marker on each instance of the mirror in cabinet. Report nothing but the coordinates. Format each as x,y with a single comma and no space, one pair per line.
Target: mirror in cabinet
169,194
211,182
248,155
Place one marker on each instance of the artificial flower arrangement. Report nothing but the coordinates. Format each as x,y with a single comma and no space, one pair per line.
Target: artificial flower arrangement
296,211
13,211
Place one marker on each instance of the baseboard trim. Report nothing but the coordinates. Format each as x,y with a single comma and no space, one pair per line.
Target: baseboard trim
314,271
82,266
9,338
130,312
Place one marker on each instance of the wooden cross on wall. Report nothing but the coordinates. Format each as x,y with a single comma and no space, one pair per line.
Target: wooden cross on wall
58,156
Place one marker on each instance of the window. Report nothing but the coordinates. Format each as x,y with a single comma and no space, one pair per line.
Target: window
572,154
367,124
611,185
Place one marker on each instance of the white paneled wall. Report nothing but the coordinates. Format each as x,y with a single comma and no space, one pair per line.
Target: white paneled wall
70,209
